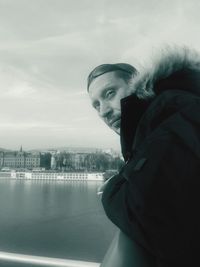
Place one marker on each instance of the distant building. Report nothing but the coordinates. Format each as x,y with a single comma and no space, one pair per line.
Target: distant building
32,160
22,160
1,159
53,162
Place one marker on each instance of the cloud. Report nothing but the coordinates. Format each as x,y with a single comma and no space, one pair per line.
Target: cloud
48,48
22,90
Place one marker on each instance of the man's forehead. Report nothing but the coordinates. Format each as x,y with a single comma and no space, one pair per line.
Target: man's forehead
104,81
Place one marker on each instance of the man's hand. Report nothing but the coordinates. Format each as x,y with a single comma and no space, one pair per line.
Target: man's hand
103,186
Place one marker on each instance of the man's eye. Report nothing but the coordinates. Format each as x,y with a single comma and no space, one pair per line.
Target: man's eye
109,93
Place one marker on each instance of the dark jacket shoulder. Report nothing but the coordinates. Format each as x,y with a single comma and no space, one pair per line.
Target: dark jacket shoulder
155,197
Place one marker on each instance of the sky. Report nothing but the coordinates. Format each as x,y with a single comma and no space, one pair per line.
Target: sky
48,47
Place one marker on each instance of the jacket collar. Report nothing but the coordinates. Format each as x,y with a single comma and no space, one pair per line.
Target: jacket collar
140,117
132,110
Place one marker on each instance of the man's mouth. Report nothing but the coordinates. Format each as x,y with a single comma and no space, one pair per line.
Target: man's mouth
115,123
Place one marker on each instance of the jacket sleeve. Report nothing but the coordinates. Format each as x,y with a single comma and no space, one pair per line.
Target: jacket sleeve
155,200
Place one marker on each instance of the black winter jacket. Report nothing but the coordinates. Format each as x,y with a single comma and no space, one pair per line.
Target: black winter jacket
155,199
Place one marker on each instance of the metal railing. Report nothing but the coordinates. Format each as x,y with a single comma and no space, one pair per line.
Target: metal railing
44,261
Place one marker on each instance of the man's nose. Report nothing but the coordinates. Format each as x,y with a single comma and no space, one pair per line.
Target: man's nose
105,110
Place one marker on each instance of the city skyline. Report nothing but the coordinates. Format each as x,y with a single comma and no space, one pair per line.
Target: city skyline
48,48
65,149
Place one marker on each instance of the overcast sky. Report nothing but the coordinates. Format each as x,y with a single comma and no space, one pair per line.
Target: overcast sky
47,48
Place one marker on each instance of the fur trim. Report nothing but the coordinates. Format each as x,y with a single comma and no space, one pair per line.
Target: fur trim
169,61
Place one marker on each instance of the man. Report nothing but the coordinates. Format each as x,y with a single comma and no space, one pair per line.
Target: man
107,85
155,198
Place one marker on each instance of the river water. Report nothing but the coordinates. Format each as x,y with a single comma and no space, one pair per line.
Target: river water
54,219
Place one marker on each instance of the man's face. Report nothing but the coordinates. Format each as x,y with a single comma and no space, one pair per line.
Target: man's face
105,93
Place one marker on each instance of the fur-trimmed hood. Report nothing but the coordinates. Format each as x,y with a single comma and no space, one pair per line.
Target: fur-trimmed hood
174,68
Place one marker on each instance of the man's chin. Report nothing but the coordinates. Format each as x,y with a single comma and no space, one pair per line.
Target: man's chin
116,127
117,130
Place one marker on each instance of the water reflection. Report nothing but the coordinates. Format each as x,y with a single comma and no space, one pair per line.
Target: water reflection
53,218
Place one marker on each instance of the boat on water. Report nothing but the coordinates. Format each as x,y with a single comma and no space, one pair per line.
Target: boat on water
45,175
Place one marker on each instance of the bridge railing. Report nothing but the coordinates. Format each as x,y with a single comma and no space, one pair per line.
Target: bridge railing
43,261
